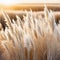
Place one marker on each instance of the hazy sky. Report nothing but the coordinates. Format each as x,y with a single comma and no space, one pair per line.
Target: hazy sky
9,2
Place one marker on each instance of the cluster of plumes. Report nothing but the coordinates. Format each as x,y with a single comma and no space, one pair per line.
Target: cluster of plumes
31,39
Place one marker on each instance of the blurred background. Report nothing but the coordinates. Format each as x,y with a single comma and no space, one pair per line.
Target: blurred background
12,2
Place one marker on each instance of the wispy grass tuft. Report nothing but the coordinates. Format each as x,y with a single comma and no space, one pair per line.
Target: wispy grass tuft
31,39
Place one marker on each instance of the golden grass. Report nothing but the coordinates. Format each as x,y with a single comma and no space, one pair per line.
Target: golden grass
34,38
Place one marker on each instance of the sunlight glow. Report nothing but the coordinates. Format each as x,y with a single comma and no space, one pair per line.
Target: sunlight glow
8,2
12,2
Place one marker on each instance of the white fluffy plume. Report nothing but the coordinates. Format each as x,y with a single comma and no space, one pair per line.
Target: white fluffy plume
31,39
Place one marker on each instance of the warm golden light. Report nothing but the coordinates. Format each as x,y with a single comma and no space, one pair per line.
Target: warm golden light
12,2
8,2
